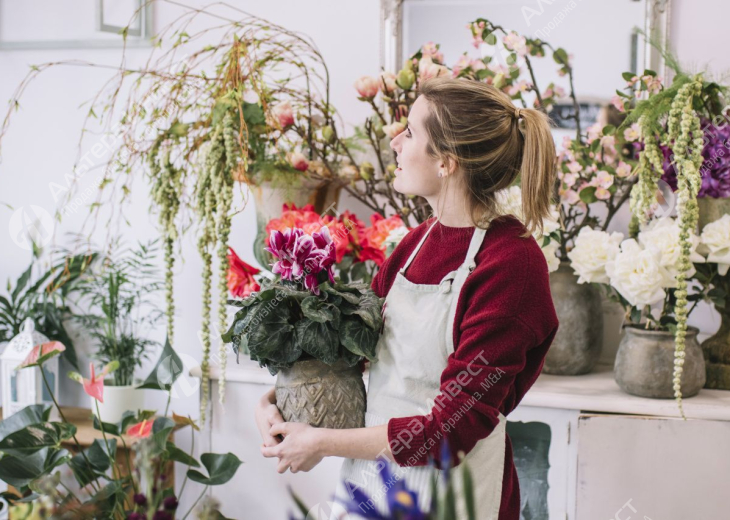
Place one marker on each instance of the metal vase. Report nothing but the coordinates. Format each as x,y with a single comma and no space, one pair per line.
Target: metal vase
716,350
321,395
577,345
645,363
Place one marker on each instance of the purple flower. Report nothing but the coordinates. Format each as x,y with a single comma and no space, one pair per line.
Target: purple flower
715,169
303,257
170,503
140,499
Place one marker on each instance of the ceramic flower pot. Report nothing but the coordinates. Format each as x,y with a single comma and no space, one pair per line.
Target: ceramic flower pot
645,363
117,400
269,199
711,210
324,396
716,350
577,345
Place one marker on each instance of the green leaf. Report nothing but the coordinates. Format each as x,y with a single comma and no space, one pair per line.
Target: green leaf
107,427
315,309
358,338
99,461
469,492
20,471
221,468
168,368
609,130
588,195
560,56
628,76
318,340
32,414
179,455
35,437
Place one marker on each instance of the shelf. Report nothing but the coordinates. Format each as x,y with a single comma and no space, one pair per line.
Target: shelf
594,392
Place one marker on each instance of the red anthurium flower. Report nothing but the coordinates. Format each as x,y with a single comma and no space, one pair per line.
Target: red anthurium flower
141,429
241,282
94,387
41,352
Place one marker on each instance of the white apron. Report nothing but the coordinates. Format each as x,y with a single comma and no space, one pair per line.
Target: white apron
411,355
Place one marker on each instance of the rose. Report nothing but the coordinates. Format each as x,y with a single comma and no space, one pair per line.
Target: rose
715,242
367,87
663,234
284,114
299,161
592,250
394,129
638,275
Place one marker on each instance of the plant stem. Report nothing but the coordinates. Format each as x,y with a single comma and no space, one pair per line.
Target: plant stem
112,458
192,449
129,467
63,418
196,502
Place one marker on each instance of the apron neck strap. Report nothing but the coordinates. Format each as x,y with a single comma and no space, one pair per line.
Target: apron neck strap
415,250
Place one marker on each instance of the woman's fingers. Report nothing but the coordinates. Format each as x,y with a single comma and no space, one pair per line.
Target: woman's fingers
282,467
274,415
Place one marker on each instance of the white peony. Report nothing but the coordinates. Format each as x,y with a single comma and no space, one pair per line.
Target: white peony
663,234
394,237
638,274
715,243
593,249
509,201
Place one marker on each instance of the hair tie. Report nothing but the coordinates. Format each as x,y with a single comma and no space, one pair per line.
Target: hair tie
518,112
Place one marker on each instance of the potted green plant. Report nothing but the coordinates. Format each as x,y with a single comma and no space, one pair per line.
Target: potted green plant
119,299
312,330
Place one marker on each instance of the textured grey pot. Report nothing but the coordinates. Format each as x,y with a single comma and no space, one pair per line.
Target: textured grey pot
645,363
324,396
577,345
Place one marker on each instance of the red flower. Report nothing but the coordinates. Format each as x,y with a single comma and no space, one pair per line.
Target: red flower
141,429
94,387
241,282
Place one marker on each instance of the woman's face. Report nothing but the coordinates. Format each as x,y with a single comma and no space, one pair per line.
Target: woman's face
417,172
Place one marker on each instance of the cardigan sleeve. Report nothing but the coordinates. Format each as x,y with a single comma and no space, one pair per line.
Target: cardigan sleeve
497,347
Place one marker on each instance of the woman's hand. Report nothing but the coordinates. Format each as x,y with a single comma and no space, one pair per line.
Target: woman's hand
301,449
267,415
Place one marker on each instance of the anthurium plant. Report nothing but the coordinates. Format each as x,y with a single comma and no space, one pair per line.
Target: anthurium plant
33,455
305,312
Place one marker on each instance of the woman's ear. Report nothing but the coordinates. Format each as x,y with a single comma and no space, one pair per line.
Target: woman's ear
448,166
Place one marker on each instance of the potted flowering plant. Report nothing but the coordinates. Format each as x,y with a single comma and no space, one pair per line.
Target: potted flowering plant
641,274
714,278
310,329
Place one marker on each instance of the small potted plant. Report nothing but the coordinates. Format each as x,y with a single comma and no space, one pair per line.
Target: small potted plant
642,275
119,301
310,329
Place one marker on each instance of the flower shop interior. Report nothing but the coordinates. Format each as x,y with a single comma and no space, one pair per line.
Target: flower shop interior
162,162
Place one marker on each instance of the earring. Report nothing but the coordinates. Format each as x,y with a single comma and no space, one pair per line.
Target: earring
441,174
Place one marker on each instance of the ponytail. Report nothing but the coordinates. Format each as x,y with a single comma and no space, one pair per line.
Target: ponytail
537,172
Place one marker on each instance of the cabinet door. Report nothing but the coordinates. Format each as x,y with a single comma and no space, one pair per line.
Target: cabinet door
545,457
643,468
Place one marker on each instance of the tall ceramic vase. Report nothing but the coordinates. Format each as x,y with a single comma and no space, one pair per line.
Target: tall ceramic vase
577,345
269,199
716,349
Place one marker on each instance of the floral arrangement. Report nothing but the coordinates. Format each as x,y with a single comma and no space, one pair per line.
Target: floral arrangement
305,312
670,116
241,276
34,462
641,273
359,250
396,92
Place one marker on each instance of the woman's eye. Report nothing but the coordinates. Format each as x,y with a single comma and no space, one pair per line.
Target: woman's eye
408,132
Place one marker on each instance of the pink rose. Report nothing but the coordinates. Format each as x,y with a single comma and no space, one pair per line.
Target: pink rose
284,113
367,87
299,161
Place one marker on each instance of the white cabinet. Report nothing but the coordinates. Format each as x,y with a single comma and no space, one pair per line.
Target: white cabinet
584,450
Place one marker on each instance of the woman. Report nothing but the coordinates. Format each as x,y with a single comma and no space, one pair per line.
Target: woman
468,312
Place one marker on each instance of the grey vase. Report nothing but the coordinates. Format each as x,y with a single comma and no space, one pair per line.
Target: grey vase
321,395
645,363
578,343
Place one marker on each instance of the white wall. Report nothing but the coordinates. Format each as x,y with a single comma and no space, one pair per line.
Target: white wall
40,147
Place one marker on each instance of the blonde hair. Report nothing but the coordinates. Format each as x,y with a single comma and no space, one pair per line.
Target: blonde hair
478,127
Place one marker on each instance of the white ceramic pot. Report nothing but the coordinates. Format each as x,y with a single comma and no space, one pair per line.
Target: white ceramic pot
117,400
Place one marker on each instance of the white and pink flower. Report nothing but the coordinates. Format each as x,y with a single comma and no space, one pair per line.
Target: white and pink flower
367,87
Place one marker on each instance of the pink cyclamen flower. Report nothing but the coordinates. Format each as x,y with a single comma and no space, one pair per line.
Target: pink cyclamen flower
284,114
302,257
42,351
299,161
367,87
